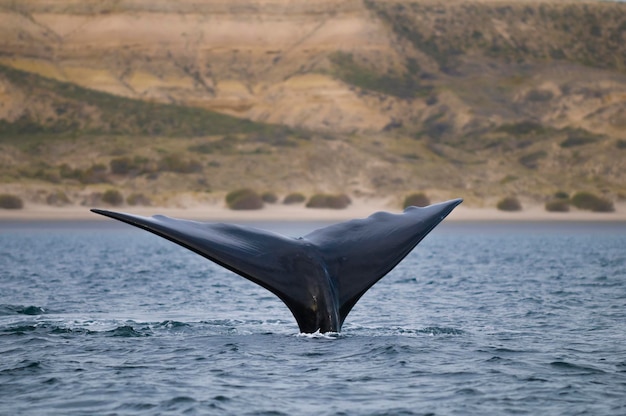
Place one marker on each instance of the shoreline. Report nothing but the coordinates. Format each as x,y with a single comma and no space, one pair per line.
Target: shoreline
286,213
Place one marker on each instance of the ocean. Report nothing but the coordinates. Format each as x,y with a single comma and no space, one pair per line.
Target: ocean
99,318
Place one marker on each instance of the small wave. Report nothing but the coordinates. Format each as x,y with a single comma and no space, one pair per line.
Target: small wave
429,330
125,331
564,365
180,404
354,329
468,391
507,350
172,324
395,349
435,330
221,398
43,328
21,310
320,335
19,330
26,366
534,378
58,330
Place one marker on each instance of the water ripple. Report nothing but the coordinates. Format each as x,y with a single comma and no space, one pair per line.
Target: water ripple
21,310
489,319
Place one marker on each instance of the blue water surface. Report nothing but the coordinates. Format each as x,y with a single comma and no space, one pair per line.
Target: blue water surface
481,318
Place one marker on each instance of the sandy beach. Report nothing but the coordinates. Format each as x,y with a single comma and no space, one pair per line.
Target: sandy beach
278,212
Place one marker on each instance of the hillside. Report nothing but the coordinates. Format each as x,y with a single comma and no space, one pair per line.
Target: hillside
477,98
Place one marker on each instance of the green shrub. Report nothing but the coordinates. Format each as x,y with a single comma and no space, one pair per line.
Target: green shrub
138,199
561,195
234,195
508,178
58,198
67,172
277,138
112,197
578,137
126,165
531,160
223,145
121,165
176,163
576,141
244,199
404,85
510,203
557,205
418,199
294,198
269,197
621,144
539,95
338,201
42,172
95,174
8,201
592,202
522,128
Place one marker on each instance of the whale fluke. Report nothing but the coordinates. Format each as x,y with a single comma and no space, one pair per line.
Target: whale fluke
320,276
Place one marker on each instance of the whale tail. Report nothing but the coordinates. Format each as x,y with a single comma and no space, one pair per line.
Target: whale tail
319,276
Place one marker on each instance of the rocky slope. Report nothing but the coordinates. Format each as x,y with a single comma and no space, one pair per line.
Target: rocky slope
482,98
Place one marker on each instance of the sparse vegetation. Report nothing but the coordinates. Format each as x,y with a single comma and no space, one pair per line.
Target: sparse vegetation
445,33
578,137
138,199
591,202
508,179
269,197
131,165
276,138
117,115
531,160
522,128
294,198
244,199
504,121
223,145
121,166
436,126
58,198
557,205
177,163
418,199
539,95
41,172
509,203
8,201
112,197
337,201
400,85
401,22
96,173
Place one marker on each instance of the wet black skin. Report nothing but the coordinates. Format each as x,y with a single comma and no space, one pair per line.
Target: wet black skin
319,276
321,311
